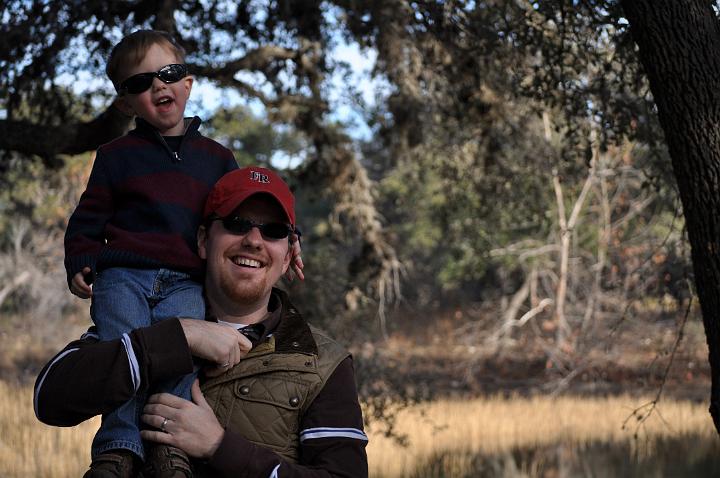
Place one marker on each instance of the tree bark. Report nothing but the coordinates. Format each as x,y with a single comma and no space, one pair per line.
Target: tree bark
679,45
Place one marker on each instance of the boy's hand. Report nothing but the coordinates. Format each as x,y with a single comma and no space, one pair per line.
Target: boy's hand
296,263
79,287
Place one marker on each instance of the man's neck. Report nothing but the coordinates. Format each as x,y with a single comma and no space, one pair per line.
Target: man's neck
237,314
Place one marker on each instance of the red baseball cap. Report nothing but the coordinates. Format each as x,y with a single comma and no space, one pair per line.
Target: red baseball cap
238,185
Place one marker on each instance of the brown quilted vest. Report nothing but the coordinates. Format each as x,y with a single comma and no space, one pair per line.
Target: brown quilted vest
264,397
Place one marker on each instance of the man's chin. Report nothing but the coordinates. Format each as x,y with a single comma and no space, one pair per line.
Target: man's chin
244,293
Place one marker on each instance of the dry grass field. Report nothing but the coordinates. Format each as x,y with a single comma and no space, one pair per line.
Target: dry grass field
497,426
30,449
481,426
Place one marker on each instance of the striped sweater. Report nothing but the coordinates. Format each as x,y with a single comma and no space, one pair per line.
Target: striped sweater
143,202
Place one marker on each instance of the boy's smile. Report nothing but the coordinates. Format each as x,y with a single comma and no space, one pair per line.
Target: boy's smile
163,104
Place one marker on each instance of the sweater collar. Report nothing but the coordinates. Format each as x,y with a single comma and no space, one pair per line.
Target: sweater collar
145,129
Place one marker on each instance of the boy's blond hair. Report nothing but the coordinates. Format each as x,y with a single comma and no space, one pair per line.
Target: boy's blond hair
132,49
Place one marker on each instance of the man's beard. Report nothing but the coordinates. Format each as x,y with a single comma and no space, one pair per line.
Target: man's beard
241,291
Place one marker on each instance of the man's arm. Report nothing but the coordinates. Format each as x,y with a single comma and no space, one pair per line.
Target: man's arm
89,377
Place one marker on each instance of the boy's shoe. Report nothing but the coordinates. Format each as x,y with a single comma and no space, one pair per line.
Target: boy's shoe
165,461
113,464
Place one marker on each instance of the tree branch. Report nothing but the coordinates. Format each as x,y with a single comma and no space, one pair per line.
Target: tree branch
70,138
259,59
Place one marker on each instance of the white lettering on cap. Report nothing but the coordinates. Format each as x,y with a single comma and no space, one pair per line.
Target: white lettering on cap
259,177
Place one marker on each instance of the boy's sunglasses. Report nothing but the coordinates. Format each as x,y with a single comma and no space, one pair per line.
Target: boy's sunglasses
240,225
142,81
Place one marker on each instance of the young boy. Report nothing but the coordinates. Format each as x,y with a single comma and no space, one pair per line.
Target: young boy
133,233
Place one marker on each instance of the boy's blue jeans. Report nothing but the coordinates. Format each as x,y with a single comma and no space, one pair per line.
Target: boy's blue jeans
126,299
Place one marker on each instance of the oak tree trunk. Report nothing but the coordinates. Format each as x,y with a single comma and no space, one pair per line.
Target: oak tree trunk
679,47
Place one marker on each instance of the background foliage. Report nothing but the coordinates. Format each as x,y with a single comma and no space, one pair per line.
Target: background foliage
500,161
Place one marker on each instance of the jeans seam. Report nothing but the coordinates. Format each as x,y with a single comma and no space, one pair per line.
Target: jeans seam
134,447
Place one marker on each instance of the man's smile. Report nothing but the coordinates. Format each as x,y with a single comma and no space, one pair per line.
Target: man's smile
246,262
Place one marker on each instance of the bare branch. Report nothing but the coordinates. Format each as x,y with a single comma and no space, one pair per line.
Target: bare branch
643,412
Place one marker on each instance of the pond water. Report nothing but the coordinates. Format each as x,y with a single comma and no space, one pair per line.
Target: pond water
687,457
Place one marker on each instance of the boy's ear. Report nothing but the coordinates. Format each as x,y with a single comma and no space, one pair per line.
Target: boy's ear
188,83
122,104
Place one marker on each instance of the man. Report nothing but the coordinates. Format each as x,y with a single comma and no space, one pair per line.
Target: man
286,408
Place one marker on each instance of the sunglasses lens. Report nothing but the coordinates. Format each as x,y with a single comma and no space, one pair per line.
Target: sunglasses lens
275,230
237,225
172,73
137,83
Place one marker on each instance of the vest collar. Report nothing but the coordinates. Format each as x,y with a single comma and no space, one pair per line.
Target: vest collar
292,334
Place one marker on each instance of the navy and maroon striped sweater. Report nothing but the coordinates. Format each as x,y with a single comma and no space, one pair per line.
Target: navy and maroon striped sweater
143,203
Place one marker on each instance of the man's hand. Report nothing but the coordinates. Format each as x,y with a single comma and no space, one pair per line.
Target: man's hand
79,287
190,426
217,343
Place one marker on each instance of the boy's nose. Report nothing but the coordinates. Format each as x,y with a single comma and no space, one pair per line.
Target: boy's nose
158,84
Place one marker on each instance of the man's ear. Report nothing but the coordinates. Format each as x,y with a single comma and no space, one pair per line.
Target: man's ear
201,240
287,259
122,104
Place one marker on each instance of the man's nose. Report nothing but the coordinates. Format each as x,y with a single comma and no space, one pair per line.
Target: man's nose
253,236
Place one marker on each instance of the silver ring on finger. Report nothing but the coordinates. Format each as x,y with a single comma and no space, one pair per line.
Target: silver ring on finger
162,426
225,365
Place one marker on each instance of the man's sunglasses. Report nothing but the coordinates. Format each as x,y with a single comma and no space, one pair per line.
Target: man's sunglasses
240,225
142,81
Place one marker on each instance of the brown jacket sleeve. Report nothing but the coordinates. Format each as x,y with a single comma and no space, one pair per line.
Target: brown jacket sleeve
89,377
